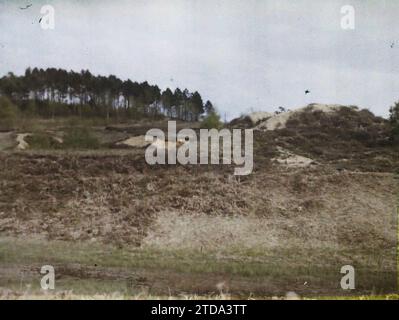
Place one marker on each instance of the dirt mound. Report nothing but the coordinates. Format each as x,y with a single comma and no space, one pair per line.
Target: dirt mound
279,121
250,120
255,117
349,138
292,160
140,142
134,142
22,144
344,137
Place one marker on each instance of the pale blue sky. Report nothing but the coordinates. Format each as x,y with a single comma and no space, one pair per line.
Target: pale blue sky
241,55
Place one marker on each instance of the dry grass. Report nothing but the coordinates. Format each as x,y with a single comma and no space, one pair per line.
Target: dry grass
113,225
88,269
186,230
115,198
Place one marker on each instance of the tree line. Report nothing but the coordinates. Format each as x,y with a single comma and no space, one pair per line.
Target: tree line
55,92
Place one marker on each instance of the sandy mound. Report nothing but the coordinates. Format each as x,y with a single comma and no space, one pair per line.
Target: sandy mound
278,121
139,142
250,120
22,144
161,144
136,142
255,117
292,160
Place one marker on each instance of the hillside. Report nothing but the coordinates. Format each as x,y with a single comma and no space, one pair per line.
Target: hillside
322,195
341,136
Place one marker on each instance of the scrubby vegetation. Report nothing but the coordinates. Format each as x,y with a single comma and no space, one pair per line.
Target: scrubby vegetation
125,224
110,222
212,121
345,125
394,119
348,138
73,138
42,141
80,138
9,113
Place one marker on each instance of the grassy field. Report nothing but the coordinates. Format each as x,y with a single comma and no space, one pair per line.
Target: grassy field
90,269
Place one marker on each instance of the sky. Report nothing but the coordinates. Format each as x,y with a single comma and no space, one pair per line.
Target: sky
252,55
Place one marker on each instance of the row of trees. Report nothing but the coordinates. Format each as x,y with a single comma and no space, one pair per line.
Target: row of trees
57,92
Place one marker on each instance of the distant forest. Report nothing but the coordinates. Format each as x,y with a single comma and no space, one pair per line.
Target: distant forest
58,93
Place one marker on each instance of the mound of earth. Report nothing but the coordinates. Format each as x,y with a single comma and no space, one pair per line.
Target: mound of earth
135,142
250,120
279,121
22,144
292,160
140,142
343,136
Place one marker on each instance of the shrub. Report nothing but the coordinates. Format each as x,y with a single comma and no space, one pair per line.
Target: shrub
29,109
212,121
9,113
80,138
8,110
42,141
394,119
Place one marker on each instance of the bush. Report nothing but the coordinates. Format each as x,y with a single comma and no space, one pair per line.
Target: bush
9,113
80,138
212,121
394,119
42,141
8,110
74,138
